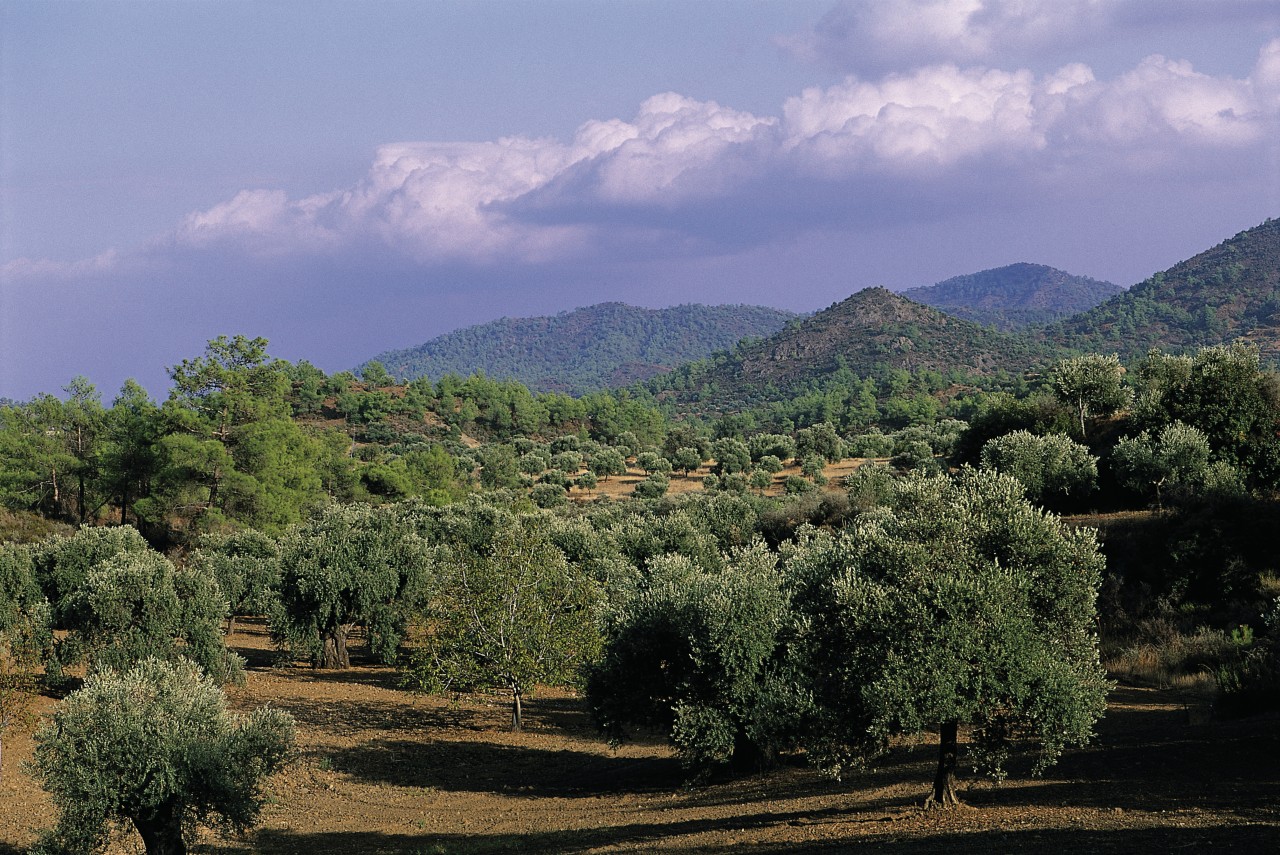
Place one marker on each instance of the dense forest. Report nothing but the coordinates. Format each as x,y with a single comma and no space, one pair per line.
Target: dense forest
597,347
1015,296
1015,527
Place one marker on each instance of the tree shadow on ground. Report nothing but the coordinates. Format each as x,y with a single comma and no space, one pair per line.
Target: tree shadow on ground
343,717
642,836
487,767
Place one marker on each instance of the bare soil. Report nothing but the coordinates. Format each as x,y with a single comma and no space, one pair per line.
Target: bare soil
622,486
382,771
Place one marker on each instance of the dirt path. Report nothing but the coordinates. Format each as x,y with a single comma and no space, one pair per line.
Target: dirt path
383,772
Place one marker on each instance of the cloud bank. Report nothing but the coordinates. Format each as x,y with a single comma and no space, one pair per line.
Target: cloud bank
683,179
659,176
877,36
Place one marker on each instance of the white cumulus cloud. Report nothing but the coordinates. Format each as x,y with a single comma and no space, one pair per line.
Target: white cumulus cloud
683,171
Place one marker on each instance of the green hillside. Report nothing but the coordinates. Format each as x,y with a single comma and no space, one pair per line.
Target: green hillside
597,347
871,334
1228,292
1015,296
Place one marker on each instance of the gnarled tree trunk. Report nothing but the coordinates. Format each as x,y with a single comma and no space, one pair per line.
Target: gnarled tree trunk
334,655
161,831
944,783
517,711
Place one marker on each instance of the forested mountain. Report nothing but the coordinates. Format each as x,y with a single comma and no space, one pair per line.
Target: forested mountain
601,346
871,334
1015,296
1228,292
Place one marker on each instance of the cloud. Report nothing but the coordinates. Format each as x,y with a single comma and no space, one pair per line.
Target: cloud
689,176
442,233
878,36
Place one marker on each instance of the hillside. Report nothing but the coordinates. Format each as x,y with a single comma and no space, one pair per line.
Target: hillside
601,346
1230,291
1015,296
869,334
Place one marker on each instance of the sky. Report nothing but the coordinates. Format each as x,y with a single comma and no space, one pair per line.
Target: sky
348,177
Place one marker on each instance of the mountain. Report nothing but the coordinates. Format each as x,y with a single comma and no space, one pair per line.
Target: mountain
601,346
1015,296
1230,291
871,332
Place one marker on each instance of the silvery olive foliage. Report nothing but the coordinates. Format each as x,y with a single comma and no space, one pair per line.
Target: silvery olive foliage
505,609
137,605
958,602
353,565
1054,469
692,653
154,745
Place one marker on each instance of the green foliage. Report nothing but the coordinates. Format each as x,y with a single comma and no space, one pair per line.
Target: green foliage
606,462
498,467
155,745
731,456
550,495
1224,393
1015,296
26,636
1175,462
960,602
137,605
653,487
62,564
505,610
350,566
692,654
1055,471
246,566
820,440
587,349
1092,385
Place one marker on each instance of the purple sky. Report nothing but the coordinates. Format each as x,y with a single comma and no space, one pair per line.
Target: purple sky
347,177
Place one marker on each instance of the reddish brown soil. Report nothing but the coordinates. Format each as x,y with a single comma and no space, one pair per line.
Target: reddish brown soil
381,771
622,486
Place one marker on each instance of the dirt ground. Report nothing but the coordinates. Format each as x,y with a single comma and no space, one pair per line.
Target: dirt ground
622,486
382,771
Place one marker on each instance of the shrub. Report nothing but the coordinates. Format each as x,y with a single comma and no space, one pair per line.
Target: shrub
155,745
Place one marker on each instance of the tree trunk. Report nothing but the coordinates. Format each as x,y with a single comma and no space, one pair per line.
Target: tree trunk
335,654
162,832
944,784
517,712
750,758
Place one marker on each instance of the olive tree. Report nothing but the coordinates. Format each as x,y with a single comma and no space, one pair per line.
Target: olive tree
246,565
155,746
61,564
959,603
505,610
692,654
25,637
1053,468
653,487
1092,385
686,459
1177,459
350,566
137,605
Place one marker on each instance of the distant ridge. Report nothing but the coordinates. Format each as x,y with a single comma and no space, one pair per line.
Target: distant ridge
870,333
1228,292
596,347
1015,296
